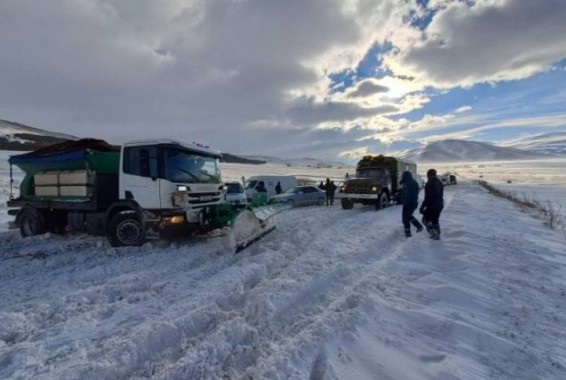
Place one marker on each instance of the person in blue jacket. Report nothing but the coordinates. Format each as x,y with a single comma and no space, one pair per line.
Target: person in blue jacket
433,204
410,197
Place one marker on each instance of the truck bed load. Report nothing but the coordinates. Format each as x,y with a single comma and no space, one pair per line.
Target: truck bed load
92,154
69,171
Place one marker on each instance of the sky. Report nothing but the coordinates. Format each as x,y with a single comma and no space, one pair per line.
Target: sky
327,79
329,294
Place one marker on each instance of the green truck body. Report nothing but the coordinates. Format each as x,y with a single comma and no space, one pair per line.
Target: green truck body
376,181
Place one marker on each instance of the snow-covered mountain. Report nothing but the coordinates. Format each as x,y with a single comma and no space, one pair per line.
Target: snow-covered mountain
547,143
16,136
299,162
461,150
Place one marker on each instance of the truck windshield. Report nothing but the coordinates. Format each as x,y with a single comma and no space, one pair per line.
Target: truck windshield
381,174
189,167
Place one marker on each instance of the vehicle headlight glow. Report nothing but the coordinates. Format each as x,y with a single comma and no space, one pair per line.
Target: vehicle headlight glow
374,189
175,219
182,188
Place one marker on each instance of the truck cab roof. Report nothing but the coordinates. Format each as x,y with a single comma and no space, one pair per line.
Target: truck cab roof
194,146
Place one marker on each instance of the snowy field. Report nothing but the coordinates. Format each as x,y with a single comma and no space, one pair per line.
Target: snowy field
330,294
543,179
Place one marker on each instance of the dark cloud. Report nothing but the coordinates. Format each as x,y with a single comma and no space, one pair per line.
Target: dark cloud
490,41
309,111
202,69
367,88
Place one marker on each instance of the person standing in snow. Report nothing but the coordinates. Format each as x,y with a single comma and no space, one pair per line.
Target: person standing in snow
329,188
278,188
410,197
433,204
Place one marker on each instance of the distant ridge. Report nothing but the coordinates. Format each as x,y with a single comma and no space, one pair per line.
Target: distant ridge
300,162
462,150
20,137
553,143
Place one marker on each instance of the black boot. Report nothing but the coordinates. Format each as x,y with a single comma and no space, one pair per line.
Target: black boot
417,225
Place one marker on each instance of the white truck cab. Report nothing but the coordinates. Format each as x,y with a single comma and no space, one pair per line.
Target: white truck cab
165,174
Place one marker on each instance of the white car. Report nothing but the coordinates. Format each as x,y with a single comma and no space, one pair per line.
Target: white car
235,193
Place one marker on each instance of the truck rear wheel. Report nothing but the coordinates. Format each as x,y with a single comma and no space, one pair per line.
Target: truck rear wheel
126,229
346,204
31,222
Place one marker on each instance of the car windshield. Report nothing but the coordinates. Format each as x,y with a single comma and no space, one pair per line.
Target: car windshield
292,190
378,173
250,184
186,166
234,188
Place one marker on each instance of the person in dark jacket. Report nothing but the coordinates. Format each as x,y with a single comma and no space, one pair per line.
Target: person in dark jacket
433,204
329,188
278,188
410,197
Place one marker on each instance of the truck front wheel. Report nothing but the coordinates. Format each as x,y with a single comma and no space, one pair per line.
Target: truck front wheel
31,222
346,204
126,229
382,202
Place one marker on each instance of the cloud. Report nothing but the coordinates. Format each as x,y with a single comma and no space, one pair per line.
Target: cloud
463,109
367,88
485,41
252,76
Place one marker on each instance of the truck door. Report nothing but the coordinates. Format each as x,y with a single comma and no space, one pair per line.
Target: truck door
140,176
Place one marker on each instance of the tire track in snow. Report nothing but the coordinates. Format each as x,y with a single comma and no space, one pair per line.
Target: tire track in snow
270,329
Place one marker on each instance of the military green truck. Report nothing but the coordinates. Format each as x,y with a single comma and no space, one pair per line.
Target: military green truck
376,182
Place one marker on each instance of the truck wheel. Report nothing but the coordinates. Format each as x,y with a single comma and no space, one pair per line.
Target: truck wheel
383,201
346,204
126,229
31,222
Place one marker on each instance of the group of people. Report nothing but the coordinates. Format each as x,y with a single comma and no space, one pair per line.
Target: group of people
431,207
329,188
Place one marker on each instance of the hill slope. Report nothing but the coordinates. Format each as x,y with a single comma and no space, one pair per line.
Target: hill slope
547,143
16,136
461,150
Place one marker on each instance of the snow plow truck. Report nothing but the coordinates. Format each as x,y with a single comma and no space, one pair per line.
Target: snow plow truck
141,190
376,182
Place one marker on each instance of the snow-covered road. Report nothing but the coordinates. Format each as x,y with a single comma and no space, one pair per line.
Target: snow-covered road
330,294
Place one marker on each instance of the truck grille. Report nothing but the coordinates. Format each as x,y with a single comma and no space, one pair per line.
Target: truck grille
358,188
204,198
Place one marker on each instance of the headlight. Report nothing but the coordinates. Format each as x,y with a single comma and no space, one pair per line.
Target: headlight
374,189
170,220
342,188
182,188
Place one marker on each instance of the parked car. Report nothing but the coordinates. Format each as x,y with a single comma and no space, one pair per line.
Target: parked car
235,193
301,195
